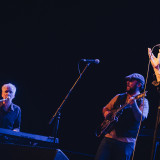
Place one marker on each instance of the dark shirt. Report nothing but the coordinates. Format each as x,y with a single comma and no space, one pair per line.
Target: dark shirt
127,126
10,119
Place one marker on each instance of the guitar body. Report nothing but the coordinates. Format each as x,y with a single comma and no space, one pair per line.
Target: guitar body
108,124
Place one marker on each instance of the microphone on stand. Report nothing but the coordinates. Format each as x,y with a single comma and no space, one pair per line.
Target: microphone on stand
96,61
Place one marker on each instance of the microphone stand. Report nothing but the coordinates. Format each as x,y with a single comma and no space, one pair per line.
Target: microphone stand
156,84
155,142
57,114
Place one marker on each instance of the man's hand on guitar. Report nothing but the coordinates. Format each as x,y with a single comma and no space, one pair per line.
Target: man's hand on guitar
131,101
108,115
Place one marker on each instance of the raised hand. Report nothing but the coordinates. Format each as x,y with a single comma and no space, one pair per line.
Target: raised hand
155,63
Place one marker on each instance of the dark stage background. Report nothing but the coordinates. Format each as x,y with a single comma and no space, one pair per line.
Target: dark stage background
43,41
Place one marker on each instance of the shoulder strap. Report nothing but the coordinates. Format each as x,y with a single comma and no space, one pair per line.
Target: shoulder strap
120,100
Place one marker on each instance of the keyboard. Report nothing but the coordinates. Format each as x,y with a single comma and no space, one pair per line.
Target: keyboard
21,138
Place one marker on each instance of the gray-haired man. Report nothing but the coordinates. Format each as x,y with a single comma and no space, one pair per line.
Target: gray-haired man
10,114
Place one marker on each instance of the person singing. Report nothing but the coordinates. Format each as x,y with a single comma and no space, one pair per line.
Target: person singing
10,113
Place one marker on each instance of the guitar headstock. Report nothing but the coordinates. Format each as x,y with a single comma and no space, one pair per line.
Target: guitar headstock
141,95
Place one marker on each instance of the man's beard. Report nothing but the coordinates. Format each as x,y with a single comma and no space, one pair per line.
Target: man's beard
131,90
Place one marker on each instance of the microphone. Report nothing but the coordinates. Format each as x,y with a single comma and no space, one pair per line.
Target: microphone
1,100
96,61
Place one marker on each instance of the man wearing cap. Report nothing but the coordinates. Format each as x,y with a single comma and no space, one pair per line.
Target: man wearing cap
10,114
118,143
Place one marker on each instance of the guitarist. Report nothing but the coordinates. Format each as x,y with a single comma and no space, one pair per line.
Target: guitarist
118,143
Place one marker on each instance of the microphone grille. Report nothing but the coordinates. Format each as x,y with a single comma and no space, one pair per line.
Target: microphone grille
97,61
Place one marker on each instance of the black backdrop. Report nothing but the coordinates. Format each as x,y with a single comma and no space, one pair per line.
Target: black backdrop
41,45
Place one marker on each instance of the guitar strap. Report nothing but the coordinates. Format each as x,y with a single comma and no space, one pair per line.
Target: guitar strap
120,100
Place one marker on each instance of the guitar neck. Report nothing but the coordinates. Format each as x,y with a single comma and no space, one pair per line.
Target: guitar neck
136,97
